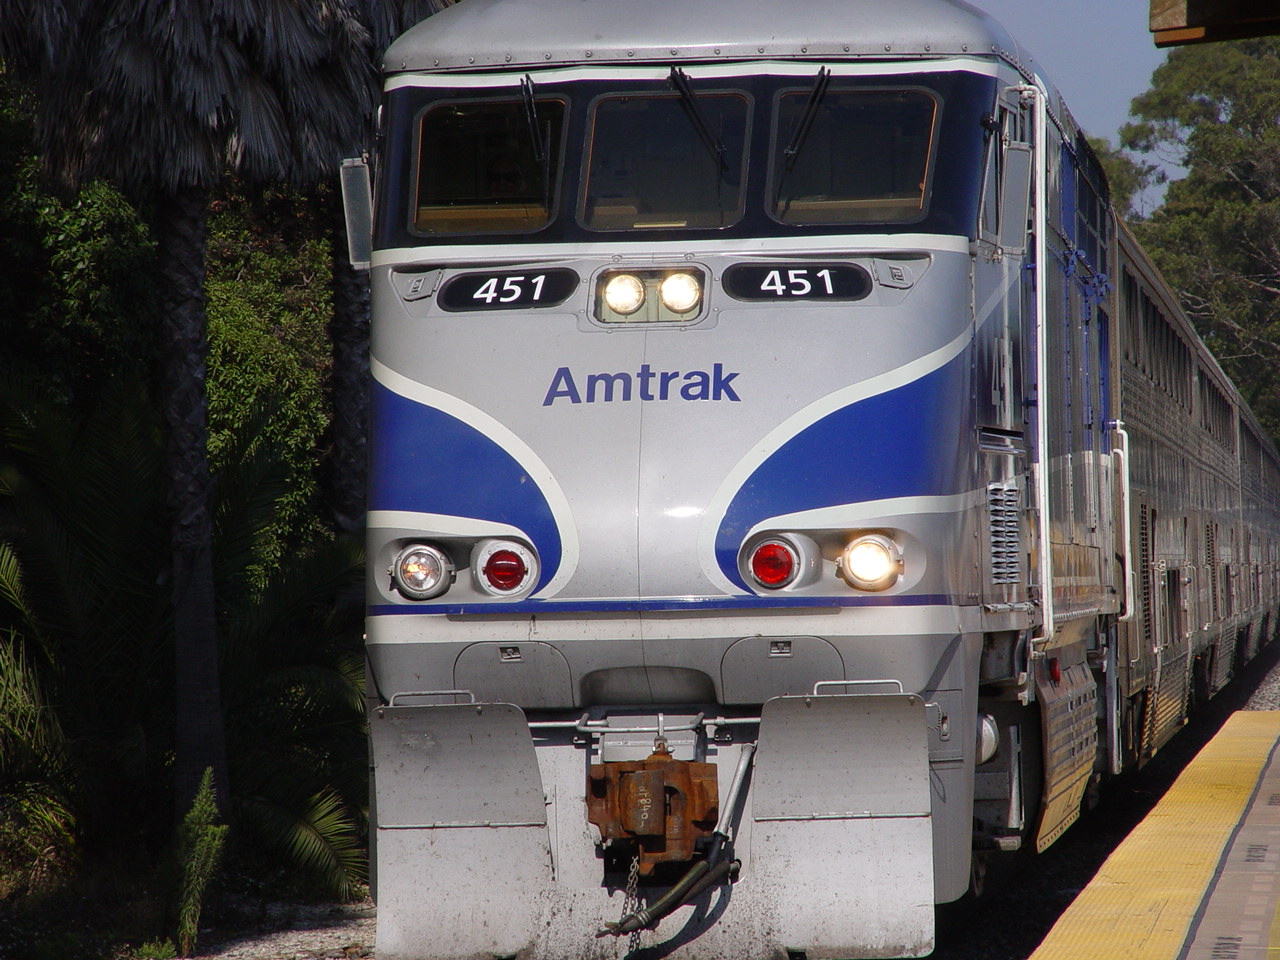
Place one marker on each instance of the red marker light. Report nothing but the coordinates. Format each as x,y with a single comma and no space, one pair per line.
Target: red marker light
773,564
505,570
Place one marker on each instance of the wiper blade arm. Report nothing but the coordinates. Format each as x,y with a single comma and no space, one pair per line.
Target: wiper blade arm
680,80
816,94
531,115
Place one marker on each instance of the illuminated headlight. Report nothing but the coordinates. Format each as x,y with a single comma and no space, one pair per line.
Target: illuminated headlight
680,292
624,294
871,562
650,294
421,571
504,568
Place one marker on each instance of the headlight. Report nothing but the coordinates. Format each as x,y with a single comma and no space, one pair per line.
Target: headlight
680,292
421,571
871,562
504,568
650,294
624,294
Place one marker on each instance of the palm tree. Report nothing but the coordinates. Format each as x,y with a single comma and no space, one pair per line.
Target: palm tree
165,99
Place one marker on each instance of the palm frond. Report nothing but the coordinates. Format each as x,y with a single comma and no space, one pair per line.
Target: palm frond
321,835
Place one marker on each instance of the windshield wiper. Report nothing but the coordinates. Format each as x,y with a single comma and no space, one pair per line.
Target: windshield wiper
531,115
540,148
816,93
680,80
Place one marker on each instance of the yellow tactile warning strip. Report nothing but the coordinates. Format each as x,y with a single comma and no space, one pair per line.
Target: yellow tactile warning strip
1199,878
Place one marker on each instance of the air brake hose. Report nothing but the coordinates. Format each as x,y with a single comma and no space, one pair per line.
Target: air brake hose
674,897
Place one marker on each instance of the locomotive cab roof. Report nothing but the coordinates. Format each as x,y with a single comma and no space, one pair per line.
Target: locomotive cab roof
510,34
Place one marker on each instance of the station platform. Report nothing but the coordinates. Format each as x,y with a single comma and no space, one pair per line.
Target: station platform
1199,878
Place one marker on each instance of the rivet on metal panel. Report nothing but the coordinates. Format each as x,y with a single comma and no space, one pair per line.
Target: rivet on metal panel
674,51
588,54
717,51
846,48
804,49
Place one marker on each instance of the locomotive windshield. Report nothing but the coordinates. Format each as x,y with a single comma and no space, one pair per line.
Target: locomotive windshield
665,162
487,166
856,156
684,156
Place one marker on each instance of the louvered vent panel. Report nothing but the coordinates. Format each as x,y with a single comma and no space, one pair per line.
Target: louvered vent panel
1004,507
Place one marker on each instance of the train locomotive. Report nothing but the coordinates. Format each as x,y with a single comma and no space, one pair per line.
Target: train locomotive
790,486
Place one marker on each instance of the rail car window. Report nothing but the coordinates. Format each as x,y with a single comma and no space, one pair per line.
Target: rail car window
481,170
657,162
853,156
1216,414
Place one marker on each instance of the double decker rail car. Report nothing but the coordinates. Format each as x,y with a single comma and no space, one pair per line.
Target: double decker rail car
790,485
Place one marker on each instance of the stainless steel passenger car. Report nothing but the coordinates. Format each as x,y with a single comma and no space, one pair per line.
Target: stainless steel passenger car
789,485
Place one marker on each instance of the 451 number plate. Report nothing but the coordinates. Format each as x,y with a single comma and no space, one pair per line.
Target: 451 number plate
797,281
508,290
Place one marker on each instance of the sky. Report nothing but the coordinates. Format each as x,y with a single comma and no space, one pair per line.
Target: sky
1098,53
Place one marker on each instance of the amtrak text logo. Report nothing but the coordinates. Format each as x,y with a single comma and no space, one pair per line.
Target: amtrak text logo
644,384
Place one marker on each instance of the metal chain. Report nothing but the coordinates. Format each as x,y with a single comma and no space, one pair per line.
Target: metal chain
631,900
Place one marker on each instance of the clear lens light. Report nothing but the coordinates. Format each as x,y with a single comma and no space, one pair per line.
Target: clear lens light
870,563
624,294
422,572
680,292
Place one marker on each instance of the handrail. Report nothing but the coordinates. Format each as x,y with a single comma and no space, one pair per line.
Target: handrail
1126,605
1040,465
431,693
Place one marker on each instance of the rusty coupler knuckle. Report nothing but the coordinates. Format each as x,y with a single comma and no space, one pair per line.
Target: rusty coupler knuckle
663,805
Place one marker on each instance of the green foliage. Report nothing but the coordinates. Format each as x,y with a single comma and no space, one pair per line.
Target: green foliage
1126,177
268,304
75,305
1215,109
295,714
155,950
200,842
82,596
84,607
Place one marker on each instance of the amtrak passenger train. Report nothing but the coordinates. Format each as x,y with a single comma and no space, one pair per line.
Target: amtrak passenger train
791,486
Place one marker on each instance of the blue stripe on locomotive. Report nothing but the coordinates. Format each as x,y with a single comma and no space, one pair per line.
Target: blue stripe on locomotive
901,443
483,481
